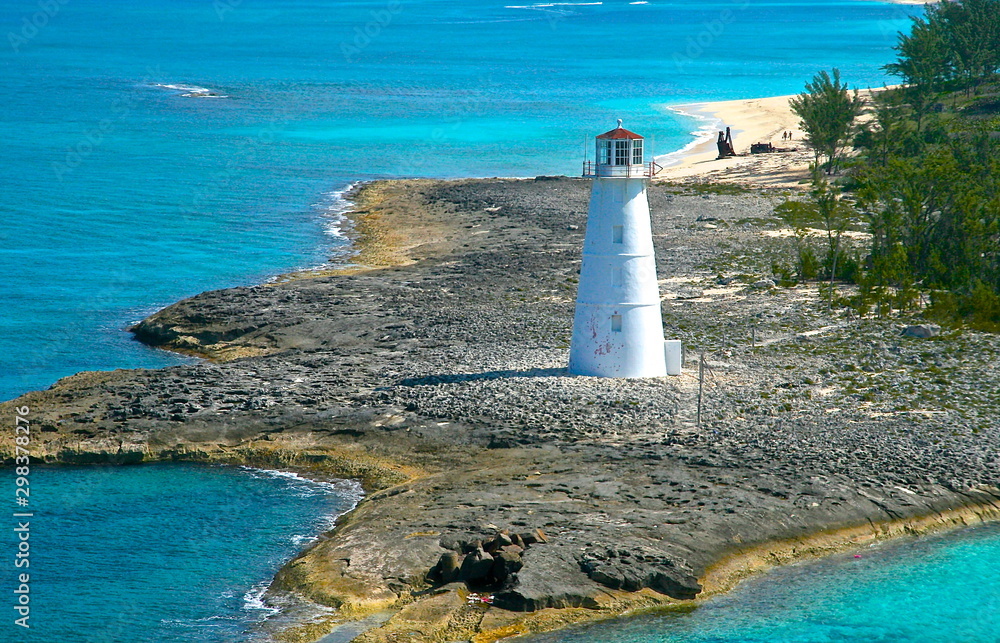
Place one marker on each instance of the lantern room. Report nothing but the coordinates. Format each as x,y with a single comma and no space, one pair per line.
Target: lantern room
619,154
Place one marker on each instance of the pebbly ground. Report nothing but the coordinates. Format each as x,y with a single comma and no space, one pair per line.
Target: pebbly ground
441,383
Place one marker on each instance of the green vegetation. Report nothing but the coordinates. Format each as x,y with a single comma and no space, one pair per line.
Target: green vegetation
829,211
927,177
828,111
956,45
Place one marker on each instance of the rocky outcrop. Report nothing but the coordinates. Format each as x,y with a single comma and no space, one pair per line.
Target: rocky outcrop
441,384
491,565
922,331
634,570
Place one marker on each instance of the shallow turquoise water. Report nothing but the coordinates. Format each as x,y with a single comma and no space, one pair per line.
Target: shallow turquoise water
121,195
161,552
941,589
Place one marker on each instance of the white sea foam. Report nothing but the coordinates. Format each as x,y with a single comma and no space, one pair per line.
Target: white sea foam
333,209
710,126
253,600
336,224
191,91
550,5
350,489
336,207
192,621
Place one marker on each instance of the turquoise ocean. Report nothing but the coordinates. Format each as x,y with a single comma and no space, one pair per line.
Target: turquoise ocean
155,149
163,552
938,589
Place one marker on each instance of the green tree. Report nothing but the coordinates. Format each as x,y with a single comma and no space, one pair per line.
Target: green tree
935,223
825,210
930,184
828,113
971,29
889,132
954,42
924,65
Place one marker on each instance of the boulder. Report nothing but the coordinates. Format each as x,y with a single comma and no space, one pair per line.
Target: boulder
498,542
447,568
476,567
687,292
505,565
549,579
922,331
513,549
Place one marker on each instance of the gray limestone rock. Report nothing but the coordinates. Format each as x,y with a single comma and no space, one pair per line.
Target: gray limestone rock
632,570
476,567
455,363
505,565
498,542
447,569
549,579
922,331
687,292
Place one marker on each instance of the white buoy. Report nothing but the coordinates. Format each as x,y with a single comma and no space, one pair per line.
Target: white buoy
618,329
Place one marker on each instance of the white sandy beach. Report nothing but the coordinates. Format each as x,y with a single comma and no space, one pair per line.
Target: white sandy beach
756,120
752,120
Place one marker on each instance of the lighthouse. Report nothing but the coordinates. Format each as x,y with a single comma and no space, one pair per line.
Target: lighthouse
618,328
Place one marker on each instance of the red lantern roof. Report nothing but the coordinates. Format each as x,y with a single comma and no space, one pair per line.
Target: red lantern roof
619,133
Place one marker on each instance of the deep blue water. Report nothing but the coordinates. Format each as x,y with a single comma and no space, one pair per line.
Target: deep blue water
165,553
120,195
941,589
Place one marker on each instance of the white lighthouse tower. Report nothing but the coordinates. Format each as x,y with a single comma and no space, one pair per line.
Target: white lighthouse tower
618,329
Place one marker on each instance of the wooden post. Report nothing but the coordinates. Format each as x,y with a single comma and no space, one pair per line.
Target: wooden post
701,383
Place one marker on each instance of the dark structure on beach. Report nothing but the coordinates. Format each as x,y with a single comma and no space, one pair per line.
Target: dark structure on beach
725,144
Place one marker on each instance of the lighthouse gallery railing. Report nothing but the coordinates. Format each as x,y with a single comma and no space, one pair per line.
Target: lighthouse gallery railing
592,169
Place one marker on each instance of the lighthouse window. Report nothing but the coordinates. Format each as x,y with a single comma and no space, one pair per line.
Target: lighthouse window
621,153
616,234
636,152
616,323
604,152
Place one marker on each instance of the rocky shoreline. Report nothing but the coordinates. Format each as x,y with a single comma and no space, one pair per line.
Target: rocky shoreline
433,370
